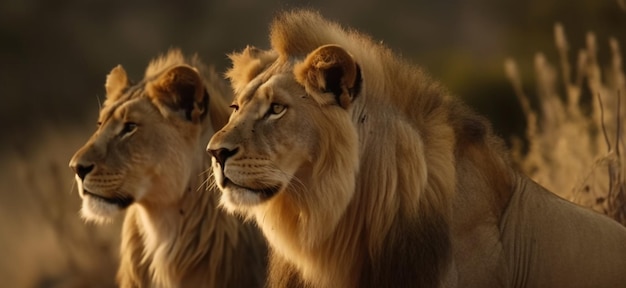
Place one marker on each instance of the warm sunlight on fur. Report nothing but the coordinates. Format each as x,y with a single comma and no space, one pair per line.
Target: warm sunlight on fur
363,172
147,158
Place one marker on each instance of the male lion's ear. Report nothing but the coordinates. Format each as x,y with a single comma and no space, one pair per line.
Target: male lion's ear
116,82
330,69
181,88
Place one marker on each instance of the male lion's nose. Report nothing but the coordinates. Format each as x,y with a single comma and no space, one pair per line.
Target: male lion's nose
81,169
222,154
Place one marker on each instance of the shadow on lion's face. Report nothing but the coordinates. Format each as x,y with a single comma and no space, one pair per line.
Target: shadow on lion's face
139,152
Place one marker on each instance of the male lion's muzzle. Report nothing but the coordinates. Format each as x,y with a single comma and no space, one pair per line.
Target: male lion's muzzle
222,154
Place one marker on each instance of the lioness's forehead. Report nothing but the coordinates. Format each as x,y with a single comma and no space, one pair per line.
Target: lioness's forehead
129,96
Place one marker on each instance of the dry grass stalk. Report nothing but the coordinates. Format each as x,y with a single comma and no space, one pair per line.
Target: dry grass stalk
576,153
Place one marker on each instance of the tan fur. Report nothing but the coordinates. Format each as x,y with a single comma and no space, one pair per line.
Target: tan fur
252,61
149,152
338,221
363,172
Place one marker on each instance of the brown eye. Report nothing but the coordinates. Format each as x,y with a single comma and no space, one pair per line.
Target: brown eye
277,108
275,111
128,128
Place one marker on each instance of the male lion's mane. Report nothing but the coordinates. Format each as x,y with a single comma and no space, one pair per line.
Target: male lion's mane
435,199
409,130
424,195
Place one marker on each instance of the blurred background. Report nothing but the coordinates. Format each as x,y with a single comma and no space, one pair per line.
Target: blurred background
55,56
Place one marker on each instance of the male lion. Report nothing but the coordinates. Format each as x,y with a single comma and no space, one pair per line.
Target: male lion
363,172
147,156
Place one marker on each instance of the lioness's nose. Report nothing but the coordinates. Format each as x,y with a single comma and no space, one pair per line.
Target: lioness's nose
81,169
222,154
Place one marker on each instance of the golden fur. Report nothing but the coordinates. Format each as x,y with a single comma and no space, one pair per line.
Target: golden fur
325,227
363,172
148,155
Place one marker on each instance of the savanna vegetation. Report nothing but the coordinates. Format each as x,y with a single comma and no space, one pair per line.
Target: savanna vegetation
575,131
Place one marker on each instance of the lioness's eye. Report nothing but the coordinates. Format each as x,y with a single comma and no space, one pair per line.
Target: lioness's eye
277,108
128,127
234,106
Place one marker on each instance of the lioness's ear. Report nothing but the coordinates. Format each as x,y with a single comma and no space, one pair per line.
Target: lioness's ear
116,82
330,69
181,88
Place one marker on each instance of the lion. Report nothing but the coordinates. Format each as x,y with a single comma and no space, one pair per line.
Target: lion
362,171
147,158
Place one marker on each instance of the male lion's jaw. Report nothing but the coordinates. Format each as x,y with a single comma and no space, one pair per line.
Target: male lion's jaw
262,193
236,198
235,195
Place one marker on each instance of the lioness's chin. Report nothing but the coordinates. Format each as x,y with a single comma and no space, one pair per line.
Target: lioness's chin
235,196
100,209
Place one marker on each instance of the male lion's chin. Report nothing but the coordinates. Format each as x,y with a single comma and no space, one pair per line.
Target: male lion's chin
99,209
235,197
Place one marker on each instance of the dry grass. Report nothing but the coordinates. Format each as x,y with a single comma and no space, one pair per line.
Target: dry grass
44,242
575,143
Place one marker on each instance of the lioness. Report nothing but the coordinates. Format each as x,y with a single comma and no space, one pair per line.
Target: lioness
363,172
147,157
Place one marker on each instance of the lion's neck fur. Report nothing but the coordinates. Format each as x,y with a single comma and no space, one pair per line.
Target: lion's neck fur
177,240
191,242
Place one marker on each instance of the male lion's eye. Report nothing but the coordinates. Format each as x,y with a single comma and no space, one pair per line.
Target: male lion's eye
277,108
128,127
275,111
234,106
